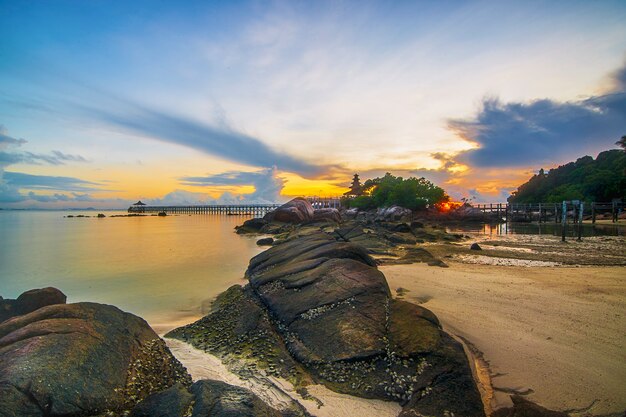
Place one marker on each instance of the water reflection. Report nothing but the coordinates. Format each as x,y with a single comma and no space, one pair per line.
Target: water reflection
163,269
553,229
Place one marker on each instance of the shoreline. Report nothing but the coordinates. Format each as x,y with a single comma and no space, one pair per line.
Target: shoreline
550,334
278,392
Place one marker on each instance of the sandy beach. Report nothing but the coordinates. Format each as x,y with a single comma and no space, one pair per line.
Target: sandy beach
554,334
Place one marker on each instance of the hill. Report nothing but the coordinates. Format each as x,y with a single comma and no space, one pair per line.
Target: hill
602,179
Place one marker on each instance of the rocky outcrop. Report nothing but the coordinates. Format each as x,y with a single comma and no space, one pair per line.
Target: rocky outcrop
266,241
296,211
81,359
204,398
321,289
393,213
30,301
318,310
251,226
327,215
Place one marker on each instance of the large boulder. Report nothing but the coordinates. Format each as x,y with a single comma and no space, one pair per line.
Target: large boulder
327,214
296,211
30,301
322,289
81,359
35,299
393,214
204,398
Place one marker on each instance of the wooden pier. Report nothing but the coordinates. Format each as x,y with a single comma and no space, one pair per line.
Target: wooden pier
548,212
224,209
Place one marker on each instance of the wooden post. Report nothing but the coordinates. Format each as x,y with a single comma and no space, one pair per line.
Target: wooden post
614,212
593,213
556,213
506,214
580,220
563,221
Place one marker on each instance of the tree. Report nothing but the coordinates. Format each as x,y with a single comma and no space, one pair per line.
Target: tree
389,190
622,143
602,179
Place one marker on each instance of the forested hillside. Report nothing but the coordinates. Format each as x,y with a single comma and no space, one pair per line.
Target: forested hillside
602,180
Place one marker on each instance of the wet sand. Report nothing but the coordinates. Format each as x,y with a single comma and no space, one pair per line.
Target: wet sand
556,334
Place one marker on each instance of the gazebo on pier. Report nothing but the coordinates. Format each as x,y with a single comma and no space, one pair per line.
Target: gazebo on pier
139,207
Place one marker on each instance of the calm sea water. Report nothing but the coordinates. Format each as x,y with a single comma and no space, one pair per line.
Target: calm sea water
164,269
598,229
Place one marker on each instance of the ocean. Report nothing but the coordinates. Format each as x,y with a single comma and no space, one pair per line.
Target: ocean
164,269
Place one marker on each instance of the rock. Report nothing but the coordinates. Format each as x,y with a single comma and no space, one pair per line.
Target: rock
172,402
475,246
30,301
219,399
296,211
34,299
401,238
317,309
101,216
7,309
320,288
313,246
81,359
251,226
468,213
327,214
417,225
393,213
266,241
399,227
412,329
351,213
342,299
239,327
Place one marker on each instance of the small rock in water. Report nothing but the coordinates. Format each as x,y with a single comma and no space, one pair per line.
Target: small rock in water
475,246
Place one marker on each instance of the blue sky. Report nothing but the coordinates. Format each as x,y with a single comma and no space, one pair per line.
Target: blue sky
255,99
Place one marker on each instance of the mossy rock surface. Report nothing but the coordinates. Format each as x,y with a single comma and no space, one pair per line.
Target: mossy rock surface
413,330
205,398
81,359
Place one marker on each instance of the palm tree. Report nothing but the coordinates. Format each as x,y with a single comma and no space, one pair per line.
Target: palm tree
622,142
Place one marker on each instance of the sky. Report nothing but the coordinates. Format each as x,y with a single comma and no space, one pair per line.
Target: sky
103,103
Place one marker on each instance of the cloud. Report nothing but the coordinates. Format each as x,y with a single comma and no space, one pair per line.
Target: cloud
543,131
46,182
60,156
267,184
12,183
6,140
222,141
25,157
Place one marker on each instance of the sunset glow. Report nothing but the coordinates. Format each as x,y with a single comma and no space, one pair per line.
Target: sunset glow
243,102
